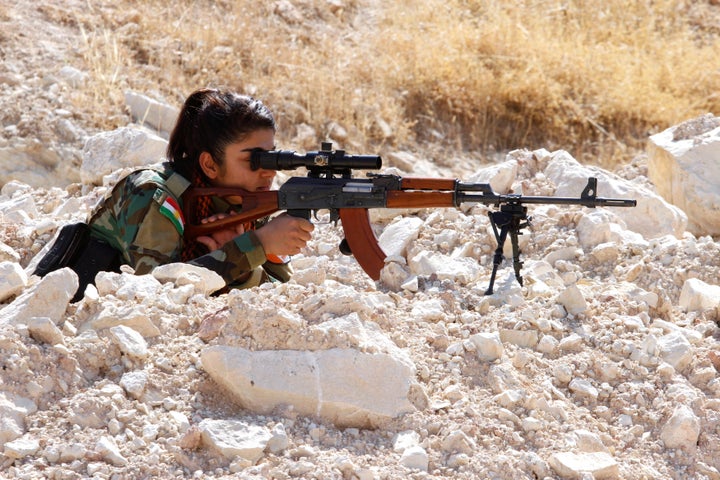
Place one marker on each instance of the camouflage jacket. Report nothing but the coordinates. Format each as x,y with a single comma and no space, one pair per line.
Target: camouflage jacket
142,219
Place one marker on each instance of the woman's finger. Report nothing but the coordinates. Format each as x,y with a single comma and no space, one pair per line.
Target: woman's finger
209,242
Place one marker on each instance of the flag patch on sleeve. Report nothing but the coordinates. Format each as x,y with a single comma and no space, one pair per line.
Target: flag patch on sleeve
171,210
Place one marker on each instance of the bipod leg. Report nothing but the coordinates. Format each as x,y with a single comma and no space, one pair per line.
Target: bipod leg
517,264
519,221
503,220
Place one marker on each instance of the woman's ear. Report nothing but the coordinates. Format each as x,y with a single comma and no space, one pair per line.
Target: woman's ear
208,165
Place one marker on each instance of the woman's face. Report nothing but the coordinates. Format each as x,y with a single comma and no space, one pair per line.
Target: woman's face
236,171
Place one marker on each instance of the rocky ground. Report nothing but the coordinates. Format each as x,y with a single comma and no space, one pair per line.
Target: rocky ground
603,365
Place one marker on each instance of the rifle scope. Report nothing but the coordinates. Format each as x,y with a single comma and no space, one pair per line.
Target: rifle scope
325,160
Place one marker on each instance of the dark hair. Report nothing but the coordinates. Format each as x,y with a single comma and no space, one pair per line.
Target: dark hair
209,121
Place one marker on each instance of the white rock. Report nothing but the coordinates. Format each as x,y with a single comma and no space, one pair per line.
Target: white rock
693,336
108,449
72,76
571,343
13,279
428,310
279,440
21,448
19,208
567,253
8,254
135,317
521,338
605,252
675,349
531,424
583,388
29,163
500,176
536,464
205,281
458,441
134,383
411,284
181,420
446,267
683,163
589,442
634,292
127,286
682,429
45,330
130,341
488,346
145,110
547,344
652,217
563,373
235,438
570,465
543,271
415,458
344,386
150,432
314,273
698,295
405,440
124,147
395,238
72,452
603,227
49,298
573,300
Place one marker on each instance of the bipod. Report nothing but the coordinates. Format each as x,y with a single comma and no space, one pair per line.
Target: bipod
511,218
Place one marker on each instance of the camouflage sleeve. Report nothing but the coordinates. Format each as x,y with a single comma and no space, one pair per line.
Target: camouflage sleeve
234,259
155,239
130,221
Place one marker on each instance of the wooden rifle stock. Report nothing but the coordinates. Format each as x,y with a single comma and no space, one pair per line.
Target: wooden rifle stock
249,206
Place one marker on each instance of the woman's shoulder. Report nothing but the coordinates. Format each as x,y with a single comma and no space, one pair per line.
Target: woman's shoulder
155,175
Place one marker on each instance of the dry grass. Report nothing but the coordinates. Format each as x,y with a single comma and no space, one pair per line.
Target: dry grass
595,78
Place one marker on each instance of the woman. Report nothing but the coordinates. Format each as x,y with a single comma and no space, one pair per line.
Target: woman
141,219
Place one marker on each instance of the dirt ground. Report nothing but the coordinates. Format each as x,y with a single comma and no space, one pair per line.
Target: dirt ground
594,384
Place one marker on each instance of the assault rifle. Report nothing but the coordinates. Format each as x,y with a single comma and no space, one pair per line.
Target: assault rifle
329,185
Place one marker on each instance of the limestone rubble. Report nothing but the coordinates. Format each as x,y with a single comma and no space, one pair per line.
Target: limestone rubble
605,363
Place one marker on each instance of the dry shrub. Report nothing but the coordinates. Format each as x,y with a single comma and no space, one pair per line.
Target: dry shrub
595,78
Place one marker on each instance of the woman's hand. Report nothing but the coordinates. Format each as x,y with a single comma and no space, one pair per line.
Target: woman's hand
220,237
285,235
